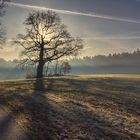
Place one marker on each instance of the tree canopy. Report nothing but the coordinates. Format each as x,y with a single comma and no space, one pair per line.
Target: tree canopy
2,30
46,39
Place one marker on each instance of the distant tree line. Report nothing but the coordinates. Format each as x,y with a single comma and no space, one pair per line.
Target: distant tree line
124,58
121,63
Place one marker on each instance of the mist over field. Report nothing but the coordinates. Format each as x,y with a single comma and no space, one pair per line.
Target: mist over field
123,63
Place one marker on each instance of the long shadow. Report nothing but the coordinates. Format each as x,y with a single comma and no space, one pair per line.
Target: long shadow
82,86
36,108
105,92
39,85
41,115
4,125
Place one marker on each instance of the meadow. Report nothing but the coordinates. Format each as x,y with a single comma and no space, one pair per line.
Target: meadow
85,107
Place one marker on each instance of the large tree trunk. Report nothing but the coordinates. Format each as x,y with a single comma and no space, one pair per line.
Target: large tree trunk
40,70
40,64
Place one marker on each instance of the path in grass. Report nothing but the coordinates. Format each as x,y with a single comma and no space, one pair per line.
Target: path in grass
9,130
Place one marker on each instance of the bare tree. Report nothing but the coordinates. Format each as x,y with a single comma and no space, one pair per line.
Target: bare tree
65,68
47,68
46,39
3,4
56,67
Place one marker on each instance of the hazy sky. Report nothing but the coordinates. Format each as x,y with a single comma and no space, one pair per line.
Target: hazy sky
107,26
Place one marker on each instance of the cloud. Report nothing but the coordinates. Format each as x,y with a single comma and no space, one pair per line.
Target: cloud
92,15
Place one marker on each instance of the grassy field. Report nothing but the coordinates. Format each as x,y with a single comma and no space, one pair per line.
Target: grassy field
103,107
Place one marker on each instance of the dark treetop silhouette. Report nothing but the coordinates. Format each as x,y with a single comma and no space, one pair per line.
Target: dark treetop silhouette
46,40
2,12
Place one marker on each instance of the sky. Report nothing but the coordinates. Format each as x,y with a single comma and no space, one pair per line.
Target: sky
106,26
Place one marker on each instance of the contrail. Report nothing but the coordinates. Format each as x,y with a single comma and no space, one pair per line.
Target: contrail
93,15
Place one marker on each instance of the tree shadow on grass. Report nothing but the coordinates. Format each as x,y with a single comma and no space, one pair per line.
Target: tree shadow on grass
42,119
81,89
4,125
31,111
106,90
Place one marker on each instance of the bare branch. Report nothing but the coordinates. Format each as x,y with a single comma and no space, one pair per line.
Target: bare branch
46,39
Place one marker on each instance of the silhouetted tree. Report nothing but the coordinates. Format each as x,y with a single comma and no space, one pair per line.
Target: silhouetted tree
46,40
47,69
56,67
65,68
2,12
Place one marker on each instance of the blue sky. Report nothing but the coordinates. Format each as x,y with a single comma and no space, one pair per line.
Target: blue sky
106,26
